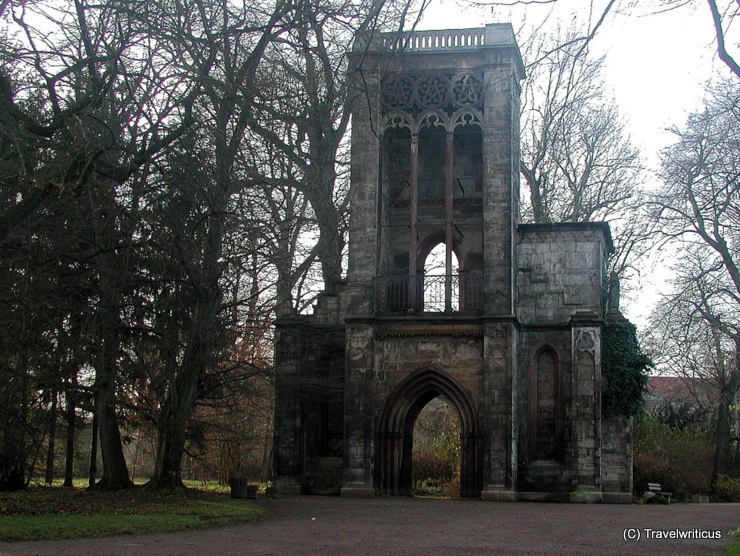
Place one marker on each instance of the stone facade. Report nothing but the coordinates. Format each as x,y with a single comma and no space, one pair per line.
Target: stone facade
509,332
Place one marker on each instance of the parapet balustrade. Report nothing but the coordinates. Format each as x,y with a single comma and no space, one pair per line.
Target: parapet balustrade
435,293
449,39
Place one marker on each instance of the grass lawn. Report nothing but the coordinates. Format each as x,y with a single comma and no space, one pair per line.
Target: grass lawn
734,549
46,513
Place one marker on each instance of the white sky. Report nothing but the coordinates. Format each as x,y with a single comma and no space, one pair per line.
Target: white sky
657,66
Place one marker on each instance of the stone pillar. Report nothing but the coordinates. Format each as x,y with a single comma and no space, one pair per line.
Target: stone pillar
290,353
366,152
499,412
497,187
586,408
616,459
359,411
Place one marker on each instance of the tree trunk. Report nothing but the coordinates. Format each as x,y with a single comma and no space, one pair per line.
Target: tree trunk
331,240
110,277
49,475
724,455
13,449
115,473
69,465
170,448
93,472
185,384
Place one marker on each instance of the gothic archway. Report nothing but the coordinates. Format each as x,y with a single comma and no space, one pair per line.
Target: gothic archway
394,437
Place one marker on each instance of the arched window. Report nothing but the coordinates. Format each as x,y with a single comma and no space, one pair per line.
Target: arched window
467,162
431,185
397,165
437,281
544,405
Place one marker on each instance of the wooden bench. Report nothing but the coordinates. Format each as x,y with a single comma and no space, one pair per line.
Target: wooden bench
658,491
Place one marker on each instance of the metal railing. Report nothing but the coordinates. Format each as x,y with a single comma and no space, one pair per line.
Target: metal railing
437,293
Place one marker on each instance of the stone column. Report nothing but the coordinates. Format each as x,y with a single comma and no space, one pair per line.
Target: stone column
287,431
497,187
366,152
499,412
359,411
586,408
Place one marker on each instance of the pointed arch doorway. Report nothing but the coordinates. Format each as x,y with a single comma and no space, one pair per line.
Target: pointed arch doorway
395,434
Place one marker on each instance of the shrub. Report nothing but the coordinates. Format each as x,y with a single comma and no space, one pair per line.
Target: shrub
727,488
436,453
680,460
432,466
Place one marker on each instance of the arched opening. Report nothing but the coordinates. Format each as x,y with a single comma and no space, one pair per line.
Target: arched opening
544,406
395,433
435,468
397,166
432,157
436,281
468,162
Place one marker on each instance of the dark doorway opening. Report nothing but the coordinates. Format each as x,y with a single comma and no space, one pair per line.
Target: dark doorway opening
395,434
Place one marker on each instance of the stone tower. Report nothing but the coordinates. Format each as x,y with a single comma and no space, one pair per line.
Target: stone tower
506,327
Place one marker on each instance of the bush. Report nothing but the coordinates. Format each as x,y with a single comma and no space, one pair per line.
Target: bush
437,467
436,456
727,488
680,460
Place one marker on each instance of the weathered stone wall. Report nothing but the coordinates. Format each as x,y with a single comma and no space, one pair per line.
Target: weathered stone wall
498,184
309,384
359,408
585,412
288,447
499,416
363,237
616,458
560,270
459,354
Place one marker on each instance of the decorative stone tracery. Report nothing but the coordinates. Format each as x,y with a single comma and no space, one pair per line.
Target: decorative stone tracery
415,92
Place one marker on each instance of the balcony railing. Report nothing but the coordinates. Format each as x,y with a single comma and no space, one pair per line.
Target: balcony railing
448,39
429,294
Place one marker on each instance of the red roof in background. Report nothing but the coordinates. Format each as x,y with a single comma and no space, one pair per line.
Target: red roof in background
674,388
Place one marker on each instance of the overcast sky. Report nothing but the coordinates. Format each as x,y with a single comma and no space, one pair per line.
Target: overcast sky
657,65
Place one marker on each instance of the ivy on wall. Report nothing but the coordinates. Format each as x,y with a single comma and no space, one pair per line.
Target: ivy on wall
624,368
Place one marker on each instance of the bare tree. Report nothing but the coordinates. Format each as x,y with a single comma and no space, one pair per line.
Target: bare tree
699,213
720,14
309,92
577,160
223,45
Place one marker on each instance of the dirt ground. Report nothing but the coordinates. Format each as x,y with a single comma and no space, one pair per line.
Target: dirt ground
322,525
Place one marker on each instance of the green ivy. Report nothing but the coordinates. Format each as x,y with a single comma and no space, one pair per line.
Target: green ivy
624,368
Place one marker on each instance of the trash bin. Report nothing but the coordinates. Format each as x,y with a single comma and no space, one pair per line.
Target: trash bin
241,489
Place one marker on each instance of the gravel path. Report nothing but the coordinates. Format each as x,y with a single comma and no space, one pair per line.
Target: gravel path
322,525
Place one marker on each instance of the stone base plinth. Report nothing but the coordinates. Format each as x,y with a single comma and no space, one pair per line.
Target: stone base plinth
287,486
357,492
496,495
544,496
586,496
616,497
